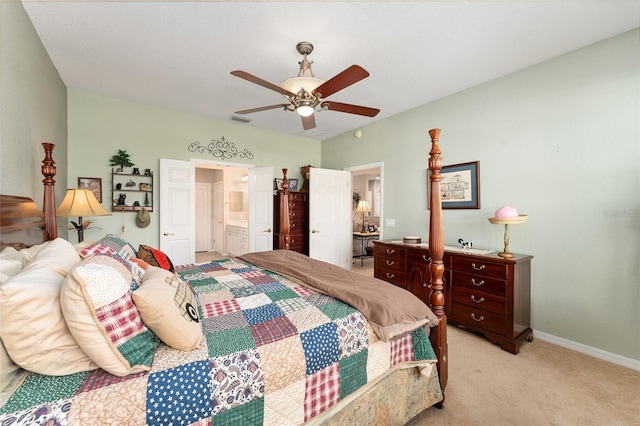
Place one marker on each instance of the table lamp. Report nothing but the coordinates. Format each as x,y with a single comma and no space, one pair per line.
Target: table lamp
363,207
80,202
508,216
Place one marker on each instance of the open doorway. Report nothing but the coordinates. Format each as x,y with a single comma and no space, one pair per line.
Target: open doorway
367,187
221,209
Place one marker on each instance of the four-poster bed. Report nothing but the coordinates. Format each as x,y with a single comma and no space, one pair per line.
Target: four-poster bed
384,372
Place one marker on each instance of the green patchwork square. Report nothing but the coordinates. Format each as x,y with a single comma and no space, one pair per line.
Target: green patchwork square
251,413
353,373
422,348
139,349
39,389
282,294
336,309
205,285
228,341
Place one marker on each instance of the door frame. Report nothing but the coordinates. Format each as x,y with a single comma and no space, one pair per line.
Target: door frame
380,166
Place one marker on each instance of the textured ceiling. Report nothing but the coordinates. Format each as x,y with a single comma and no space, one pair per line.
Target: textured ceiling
178,55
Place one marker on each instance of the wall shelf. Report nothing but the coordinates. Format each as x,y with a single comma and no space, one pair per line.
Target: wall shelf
130,188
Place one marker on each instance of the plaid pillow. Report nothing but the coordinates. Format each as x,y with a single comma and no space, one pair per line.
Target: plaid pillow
96,302
120,249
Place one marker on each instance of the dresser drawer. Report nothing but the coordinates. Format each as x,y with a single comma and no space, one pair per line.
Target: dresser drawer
393,276
297,197
418,257
392,264
238,230
480,319
390,252
480,300
297,242
479,267
480,283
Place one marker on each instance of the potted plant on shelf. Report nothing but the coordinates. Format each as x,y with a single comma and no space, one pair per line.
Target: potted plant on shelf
121,159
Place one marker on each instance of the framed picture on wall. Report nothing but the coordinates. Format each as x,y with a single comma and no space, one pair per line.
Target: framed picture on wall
94,184
459,186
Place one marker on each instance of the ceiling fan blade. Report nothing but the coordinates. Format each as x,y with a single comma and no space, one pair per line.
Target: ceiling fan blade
346,78
264,83
309,122
264,108
351,109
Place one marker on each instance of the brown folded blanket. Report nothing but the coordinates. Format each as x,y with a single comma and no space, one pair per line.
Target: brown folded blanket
391,310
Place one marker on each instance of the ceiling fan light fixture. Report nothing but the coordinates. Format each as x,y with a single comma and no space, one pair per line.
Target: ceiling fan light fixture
295,84
305,110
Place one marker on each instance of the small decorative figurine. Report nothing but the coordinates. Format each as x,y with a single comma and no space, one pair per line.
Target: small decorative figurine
121,199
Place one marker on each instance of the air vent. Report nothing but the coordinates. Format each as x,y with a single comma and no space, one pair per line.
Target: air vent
312,133
240,119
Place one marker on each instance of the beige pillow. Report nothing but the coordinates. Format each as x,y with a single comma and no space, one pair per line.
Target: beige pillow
34,331
96,303
169,308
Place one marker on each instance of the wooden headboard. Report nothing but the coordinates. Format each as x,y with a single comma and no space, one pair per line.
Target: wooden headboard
22,224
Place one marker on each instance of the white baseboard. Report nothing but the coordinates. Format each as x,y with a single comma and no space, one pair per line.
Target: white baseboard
631,363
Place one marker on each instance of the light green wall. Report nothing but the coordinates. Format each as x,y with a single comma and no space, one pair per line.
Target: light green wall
33,108
99,126
560,141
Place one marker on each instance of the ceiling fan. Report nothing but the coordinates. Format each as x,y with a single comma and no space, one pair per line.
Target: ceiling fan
305,92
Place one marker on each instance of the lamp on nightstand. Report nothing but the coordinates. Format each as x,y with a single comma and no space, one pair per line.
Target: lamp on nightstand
80,202
363,207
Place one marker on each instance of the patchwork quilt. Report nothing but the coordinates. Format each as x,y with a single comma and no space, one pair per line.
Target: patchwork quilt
275,352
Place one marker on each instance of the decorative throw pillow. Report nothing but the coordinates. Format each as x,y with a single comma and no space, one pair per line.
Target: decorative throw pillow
118,248
169,308
155,257
97,305
33,328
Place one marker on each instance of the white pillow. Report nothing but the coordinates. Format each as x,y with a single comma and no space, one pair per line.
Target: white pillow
34,331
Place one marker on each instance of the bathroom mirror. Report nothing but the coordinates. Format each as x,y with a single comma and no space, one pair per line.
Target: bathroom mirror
236,201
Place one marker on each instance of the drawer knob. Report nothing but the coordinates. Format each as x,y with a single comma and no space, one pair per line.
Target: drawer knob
477,284
478,268
390,275
293,225
390,251
473,315
426,259
390,262
480,300
426,285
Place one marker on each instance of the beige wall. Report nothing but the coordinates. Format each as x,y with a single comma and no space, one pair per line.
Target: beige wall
99,126
33,108
559,141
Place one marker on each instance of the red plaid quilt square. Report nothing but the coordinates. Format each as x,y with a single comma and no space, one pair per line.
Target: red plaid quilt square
121,320
220,308
272,330
303,291
322,391
402,350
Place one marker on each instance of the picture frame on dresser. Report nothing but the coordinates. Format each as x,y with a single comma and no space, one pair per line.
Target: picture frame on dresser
293,184
277,183
459,186
94,184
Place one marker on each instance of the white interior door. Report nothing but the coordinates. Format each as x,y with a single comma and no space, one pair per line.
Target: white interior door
203,216
330,216
218,217
260,209
177,215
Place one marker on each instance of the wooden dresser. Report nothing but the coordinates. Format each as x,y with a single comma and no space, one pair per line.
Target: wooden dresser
299,218
484,293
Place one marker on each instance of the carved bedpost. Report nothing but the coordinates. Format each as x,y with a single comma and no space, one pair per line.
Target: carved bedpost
436,252
285,222
49,204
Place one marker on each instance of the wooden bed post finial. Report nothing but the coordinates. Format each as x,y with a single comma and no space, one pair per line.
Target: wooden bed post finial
49,205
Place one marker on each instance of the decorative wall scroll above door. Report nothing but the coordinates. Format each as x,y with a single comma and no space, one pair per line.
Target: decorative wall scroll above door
221,148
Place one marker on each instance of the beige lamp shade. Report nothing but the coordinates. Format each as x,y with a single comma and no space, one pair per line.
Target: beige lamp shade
363,207
80,202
